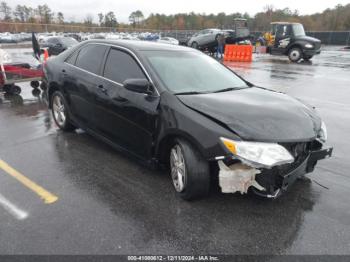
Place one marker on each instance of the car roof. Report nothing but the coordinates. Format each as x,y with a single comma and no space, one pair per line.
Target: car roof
136,46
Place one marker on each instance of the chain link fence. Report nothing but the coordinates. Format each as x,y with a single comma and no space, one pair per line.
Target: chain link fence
327,37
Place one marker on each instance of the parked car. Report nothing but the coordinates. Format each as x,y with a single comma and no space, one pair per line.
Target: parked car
177,107
9,38
42,37
204,39
58,44
168,40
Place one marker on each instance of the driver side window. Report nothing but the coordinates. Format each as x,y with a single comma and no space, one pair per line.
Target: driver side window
121,66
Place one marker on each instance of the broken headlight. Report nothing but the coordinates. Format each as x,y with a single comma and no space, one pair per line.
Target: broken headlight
322,134
258,154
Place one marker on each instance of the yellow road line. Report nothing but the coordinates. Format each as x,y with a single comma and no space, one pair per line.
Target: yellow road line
44,194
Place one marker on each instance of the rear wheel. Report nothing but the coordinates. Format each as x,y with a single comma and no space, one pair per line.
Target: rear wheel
189,171
59,111
295,54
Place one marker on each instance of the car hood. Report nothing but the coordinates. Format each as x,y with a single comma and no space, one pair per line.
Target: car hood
256,114
308,39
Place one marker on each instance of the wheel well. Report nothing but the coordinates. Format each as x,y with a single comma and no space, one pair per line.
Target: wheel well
52,88
293,46
165,146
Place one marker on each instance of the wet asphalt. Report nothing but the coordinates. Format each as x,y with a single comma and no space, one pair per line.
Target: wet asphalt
110,204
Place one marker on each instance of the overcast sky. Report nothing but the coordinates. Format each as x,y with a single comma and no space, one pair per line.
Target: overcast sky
76,10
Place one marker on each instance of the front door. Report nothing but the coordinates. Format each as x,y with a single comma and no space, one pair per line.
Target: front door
125,117
282,38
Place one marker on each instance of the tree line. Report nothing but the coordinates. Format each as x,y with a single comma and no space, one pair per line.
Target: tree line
331,19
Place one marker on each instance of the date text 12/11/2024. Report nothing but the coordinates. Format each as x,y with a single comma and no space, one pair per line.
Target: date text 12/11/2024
173,258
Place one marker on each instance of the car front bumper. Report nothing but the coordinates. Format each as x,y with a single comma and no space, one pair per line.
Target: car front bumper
276,182
311,52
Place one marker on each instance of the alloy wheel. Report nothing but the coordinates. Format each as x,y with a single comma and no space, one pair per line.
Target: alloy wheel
59,111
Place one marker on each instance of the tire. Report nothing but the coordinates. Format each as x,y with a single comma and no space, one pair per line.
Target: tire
7,89
307,57
186,161
60,113
34,84
36,92
12,89
295,54
195,45
16,90
43,86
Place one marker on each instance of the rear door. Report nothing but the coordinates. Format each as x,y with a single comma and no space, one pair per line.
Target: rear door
81,79
125,117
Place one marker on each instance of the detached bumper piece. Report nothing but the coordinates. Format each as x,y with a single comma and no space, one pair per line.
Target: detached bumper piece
280,178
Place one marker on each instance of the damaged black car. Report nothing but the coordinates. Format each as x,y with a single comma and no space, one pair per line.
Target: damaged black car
176,107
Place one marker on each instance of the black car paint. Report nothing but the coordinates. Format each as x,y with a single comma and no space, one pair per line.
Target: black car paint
142,124
280,116
301,41
163,115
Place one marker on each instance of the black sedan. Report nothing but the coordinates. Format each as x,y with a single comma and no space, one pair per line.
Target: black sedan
58,44
176,107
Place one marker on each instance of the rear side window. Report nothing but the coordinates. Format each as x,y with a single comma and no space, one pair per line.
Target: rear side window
72,58
121,66
90,58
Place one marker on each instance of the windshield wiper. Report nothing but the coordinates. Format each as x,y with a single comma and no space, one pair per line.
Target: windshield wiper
228,89
189,93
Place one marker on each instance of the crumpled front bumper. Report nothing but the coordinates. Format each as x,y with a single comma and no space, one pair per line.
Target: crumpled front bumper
276,182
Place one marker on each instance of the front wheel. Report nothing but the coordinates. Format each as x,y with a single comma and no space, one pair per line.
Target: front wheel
60,112
295,54
189,171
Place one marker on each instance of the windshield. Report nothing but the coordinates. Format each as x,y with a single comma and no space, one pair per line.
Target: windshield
298,30
183,72
69,41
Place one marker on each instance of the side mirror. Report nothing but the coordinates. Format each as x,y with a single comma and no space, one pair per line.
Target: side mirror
138,85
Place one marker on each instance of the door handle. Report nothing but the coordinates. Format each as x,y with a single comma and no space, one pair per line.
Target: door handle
101,87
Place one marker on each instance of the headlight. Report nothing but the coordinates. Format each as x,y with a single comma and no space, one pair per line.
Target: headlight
258,154
309,46
322,134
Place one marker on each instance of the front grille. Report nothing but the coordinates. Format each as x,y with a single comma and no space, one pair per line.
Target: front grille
272,178
299,151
